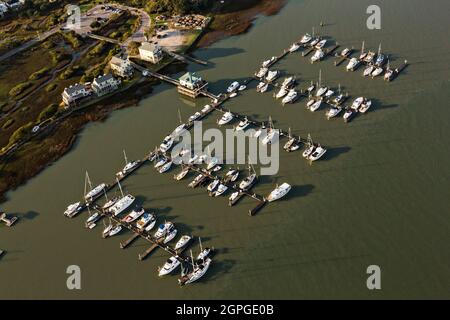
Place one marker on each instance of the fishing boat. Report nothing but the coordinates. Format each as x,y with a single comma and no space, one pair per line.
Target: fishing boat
290,98
198,272
184,240
321,44
220,190
281,93
232,175
279,192
115,230
226,118
233,87
247,182
345,52
262,87
243,125
333,112
194,117
377,72
151,224
368,71
349,114
121,205
357,103
95,192
353,64
365,106
196,180
318,55
306,38
133,215
294,47
261,73
272,75
316,105
170,235
165,167
145,220
166,144
317,154
163,229
213,185
171,264
321,91
288,82
73,209
242,87
267,63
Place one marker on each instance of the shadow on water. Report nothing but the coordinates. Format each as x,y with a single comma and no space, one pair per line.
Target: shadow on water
336,152
299,191
218,268
214,53
378,106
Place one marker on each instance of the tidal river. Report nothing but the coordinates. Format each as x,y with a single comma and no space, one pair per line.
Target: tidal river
378,197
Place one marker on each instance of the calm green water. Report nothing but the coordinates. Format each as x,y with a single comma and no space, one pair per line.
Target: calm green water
379,197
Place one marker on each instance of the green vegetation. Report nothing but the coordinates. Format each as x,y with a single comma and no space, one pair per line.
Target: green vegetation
8,123
39,74
51,87
48,112
72,38
71,72
19,88
20,133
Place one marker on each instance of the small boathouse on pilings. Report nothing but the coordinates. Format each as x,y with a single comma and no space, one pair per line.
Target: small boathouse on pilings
191,85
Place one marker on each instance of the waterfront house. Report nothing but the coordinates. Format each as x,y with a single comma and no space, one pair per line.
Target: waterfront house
74,93
150,52
121,67
191,84
105,84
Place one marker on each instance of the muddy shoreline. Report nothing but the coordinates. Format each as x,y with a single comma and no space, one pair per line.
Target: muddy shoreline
38,154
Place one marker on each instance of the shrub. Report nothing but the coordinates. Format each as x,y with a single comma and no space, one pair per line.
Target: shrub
8,123
48,112
18,89
51,87
38,74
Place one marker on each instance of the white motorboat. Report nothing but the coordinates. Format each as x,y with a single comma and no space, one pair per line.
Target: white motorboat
311,88
291,144
272,75
294,47
365,106
271,136
212,186
178,130
345,52
212,163
206,108
261,73
226,118
288,82
204,253
121,205
333,112
151,224
163,229
381,59
220,190
318,55
171,264
308,150
108,204
310,103
242,87
357,103
198,272
170,235
145,220
329,94
317,154
234,196
368,71
290,98
314,42
197,179
279,192
96,191
389,74
243,125
115,230
262,87
267,63
306,38
316,105
73,209
369,57
247,182
232,175
165,167
133,215
321,91
216,168
184,240
378,71
130,166
349,114
160,162
260,131
233,87
166,144
234,94
194,117
321,44
107,230
339,99
281,93
353,64
93,218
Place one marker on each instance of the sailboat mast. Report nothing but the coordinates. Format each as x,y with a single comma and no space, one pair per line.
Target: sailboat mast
120,187
125,156
179,116
192,258
200,242
320,77
362,48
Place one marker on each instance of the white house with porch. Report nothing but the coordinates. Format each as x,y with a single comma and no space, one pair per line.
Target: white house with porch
151,52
